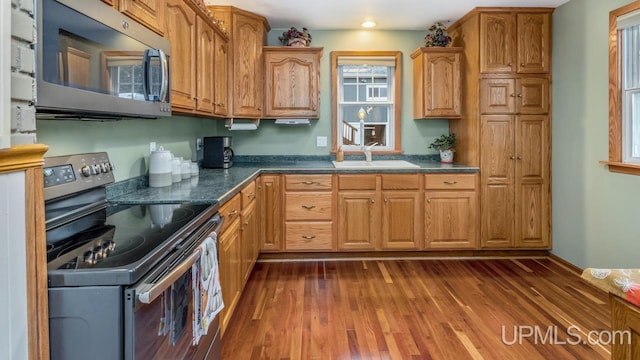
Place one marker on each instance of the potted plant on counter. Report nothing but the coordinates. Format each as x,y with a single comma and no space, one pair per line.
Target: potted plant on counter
446,145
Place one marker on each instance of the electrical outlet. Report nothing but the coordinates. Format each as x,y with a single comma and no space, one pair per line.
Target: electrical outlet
321,141
198,143
152,146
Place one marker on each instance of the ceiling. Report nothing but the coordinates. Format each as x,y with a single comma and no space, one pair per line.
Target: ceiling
388,14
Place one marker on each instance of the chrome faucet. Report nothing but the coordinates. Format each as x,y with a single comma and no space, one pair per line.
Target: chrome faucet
367,151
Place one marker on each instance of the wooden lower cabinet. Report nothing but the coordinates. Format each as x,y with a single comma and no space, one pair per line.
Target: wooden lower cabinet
230,270
270,213
451,211
309,208
358,220
249,240
401,228
625,327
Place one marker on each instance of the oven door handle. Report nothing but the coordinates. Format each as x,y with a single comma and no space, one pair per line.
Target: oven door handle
155,290
149,292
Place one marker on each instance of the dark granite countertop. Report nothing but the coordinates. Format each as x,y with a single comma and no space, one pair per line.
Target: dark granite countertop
219,185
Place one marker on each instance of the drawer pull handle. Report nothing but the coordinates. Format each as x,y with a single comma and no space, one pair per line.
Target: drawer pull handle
233,212
450,182
308,237
308,207
308,182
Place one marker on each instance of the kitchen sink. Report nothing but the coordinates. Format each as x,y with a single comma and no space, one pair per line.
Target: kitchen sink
376,164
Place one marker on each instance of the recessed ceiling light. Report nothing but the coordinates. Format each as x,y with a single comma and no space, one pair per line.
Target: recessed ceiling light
368,24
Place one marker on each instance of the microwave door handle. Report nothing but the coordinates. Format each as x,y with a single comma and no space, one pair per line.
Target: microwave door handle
146,70
154,290
164,69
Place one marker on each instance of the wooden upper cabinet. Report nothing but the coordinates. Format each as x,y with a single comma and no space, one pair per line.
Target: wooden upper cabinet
181,32
534,44
205,64
526,95
497,42
247,37
437,82
150,13
515,42
113,3
292,82
220,76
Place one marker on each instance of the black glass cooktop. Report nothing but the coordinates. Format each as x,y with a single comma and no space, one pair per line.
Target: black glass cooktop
118,236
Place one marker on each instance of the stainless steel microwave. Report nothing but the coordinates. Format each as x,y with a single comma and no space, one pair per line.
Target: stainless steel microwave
93,62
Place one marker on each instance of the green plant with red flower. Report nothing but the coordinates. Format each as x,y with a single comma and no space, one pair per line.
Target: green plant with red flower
294,33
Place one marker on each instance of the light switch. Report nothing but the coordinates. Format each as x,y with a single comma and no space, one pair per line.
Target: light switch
321,141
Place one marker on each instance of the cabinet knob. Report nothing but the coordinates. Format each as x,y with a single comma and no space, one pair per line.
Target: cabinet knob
429,201
308,207
513,95
519,157
373,201
510,64
522,64
195,98
512,157
519,95
386,200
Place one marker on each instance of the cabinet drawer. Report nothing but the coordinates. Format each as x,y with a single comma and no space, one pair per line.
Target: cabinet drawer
357,182
308,235
248,194
308,182
400,181
231,211
308,206
449,181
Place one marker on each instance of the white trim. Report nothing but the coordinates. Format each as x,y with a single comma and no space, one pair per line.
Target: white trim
5,75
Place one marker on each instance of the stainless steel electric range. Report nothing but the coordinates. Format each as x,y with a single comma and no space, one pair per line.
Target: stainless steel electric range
120,282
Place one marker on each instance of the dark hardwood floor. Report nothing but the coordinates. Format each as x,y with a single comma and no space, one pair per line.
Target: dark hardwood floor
418,309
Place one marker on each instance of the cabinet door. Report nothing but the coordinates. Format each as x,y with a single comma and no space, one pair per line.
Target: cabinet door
401,220
270,192
497,166
150,13
442,85
532,181
534,45
220,76
247,82
450,220
358,221
205,67
497,96
532,95
497,42
291,83
181,32
248,238
230,271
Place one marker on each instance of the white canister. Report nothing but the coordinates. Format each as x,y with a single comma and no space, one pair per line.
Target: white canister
194,169
185,170
176,170
160,168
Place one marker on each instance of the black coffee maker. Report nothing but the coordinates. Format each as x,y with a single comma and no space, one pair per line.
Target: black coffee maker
217,152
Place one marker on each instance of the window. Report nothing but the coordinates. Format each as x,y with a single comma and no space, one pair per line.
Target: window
125,75
366,100
624,92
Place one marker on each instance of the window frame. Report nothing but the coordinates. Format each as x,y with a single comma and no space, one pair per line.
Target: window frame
397,98
616,123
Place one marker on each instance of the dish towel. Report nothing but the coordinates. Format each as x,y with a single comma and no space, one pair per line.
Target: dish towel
207,294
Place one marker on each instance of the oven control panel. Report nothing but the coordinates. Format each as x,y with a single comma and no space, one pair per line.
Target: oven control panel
68,174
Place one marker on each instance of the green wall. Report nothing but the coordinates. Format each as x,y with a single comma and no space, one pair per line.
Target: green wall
279,139
127,141
596,222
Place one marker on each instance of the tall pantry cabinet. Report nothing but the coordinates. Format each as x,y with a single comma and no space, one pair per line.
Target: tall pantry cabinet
505,124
